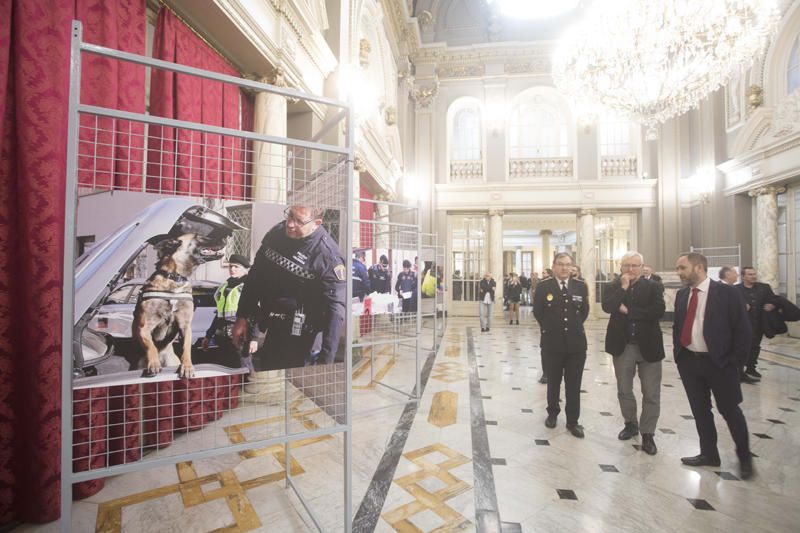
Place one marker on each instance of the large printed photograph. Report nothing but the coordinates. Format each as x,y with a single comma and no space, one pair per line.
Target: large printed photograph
165,284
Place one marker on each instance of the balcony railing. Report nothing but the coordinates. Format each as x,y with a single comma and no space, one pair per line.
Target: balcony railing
618,166
540,167
466,171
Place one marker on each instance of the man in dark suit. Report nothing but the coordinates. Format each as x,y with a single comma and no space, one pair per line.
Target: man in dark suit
711,336
634,338
759,298
561,305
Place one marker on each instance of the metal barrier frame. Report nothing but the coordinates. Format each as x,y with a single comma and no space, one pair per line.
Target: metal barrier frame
68,477
399,340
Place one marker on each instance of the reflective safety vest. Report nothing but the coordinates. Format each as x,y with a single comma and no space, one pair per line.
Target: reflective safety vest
227,305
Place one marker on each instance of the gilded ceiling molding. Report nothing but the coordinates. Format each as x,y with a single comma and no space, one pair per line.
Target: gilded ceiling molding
461,71
425,95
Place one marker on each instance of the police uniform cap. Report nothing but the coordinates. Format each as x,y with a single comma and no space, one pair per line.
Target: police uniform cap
239,260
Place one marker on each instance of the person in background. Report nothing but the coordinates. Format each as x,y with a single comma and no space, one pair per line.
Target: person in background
647,273
514,295
759,298
406,287
486,298
728,275
380,277
361,284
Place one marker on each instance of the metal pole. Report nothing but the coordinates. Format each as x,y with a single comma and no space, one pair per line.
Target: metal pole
348,434
68,286
419,303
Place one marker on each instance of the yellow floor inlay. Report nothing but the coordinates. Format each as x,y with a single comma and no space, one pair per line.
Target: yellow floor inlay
433,501
452,351
444,409
449,372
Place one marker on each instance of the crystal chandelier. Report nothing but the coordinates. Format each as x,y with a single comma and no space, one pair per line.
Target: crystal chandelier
656,59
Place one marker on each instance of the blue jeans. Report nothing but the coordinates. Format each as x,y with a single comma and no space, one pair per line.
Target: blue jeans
486,314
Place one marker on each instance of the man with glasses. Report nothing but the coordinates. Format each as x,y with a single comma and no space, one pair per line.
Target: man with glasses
296,290
633,337
561,305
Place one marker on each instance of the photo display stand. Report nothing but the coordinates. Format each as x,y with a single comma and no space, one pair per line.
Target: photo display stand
434,285
387,310
159,211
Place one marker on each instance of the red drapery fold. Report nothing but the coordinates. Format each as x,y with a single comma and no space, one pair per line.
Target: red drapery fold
366,212
187,161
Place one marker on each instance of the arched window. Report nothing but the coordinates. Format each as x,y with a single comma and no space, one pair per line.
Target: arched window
793,70
618,147
466,135
466,141
537,129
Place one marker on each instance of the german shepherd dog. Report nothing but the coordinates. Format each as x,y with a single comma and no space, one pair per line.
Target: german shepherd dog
165,307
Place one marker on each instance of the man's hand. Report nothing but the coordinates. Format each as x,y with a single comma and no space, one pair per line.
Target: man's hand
239,332
253,347
625,281
769,307
204,344
623,309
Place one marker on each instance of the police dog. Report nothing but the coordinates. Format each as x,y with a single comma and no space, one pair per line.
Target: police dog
165,306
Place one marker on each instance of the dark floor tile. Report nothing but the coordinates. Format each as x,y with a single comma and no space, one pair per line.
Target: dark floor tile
604,383
605,413
504,361
498,462
701,505
483,379
753,455
486,397
491,422
775,421
608,468
510,527
566,494
668,385
527,410
794,399
638,447
520,388
762,435
583,391
667,431
480,366
687,417
542,442
531,368
787,409
727,476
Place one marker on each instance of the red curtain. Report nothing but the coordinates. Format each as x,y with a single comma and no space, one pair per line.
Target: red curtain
367,212
185,161
34,79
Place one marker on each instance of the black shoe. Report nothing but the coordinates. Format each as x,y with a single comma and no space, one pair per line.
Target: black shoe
649,444
550,421
518,322
629,431
487,329
576,430
510,322
751,371
746,469
744,378
543,379
483,330
700,460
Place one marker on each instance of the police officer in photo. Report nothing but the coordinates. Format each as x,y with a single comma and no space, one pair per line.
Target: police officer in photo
406,287
561,305
227,298
361,284
296,290
380,277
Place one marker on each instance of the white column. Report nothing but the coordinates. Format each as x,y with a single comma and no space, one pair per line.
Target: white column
767,234
269,160
587,252
382,232
547,256
496,255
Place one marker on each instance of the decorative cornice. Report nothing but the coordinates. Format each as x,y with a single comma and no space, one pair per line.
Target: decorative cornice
461,71
587,211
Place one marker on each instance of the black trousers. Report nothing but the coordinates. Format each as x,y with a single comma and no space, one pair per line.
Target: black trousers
755,349
701,377
570,366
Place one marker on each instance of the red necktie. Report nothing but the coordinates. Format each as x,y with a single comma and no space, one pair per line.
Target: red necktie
691,311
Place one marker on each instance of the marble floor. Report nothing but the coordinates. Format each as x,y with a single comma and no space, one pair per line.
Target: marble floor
474,455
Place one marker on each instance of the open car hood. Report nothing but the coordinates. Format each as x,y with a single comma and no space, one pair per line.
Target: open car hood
99,269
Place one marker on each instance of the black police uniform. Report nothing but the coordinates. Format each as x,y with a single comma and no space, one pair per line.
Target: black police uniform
296,289
380,278
407,282
561,315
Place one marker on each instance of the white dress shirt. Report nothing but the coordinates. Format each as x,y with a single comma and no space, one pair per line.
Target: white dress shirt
698,341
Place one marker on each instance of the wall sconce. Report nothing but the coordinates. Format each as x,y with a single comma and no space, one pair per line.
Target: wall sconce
704,180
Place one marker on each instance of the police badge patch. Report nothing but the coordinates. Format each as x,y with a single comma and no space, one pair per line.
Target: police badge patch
340,272
549,297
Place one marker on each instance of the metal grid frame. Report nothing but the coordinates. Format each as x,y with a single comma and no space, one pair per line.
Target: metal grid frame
400,229
329,170
719,256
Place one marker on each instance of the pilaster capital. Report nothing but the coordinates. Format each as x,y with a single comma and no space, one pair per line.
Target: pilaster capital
588,211
359,164
495,212
769,189
425,95
545,232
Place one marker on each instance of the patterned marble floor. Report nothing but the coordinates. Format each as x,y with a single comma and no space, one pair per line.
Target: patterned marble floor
474,455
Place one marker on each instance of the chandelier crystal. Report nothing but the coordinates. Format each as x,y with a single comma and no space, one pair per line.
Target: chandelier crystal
656,59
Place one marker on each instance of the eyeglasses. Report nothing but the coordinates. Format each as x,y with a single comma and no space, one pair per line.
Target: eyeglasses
628,265
564,265
287,214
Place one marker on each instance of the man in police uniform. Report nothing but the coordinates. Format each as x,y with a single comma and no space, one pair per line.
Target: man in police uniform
296,290
406,287
380,277
361,284
227,298
561,305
